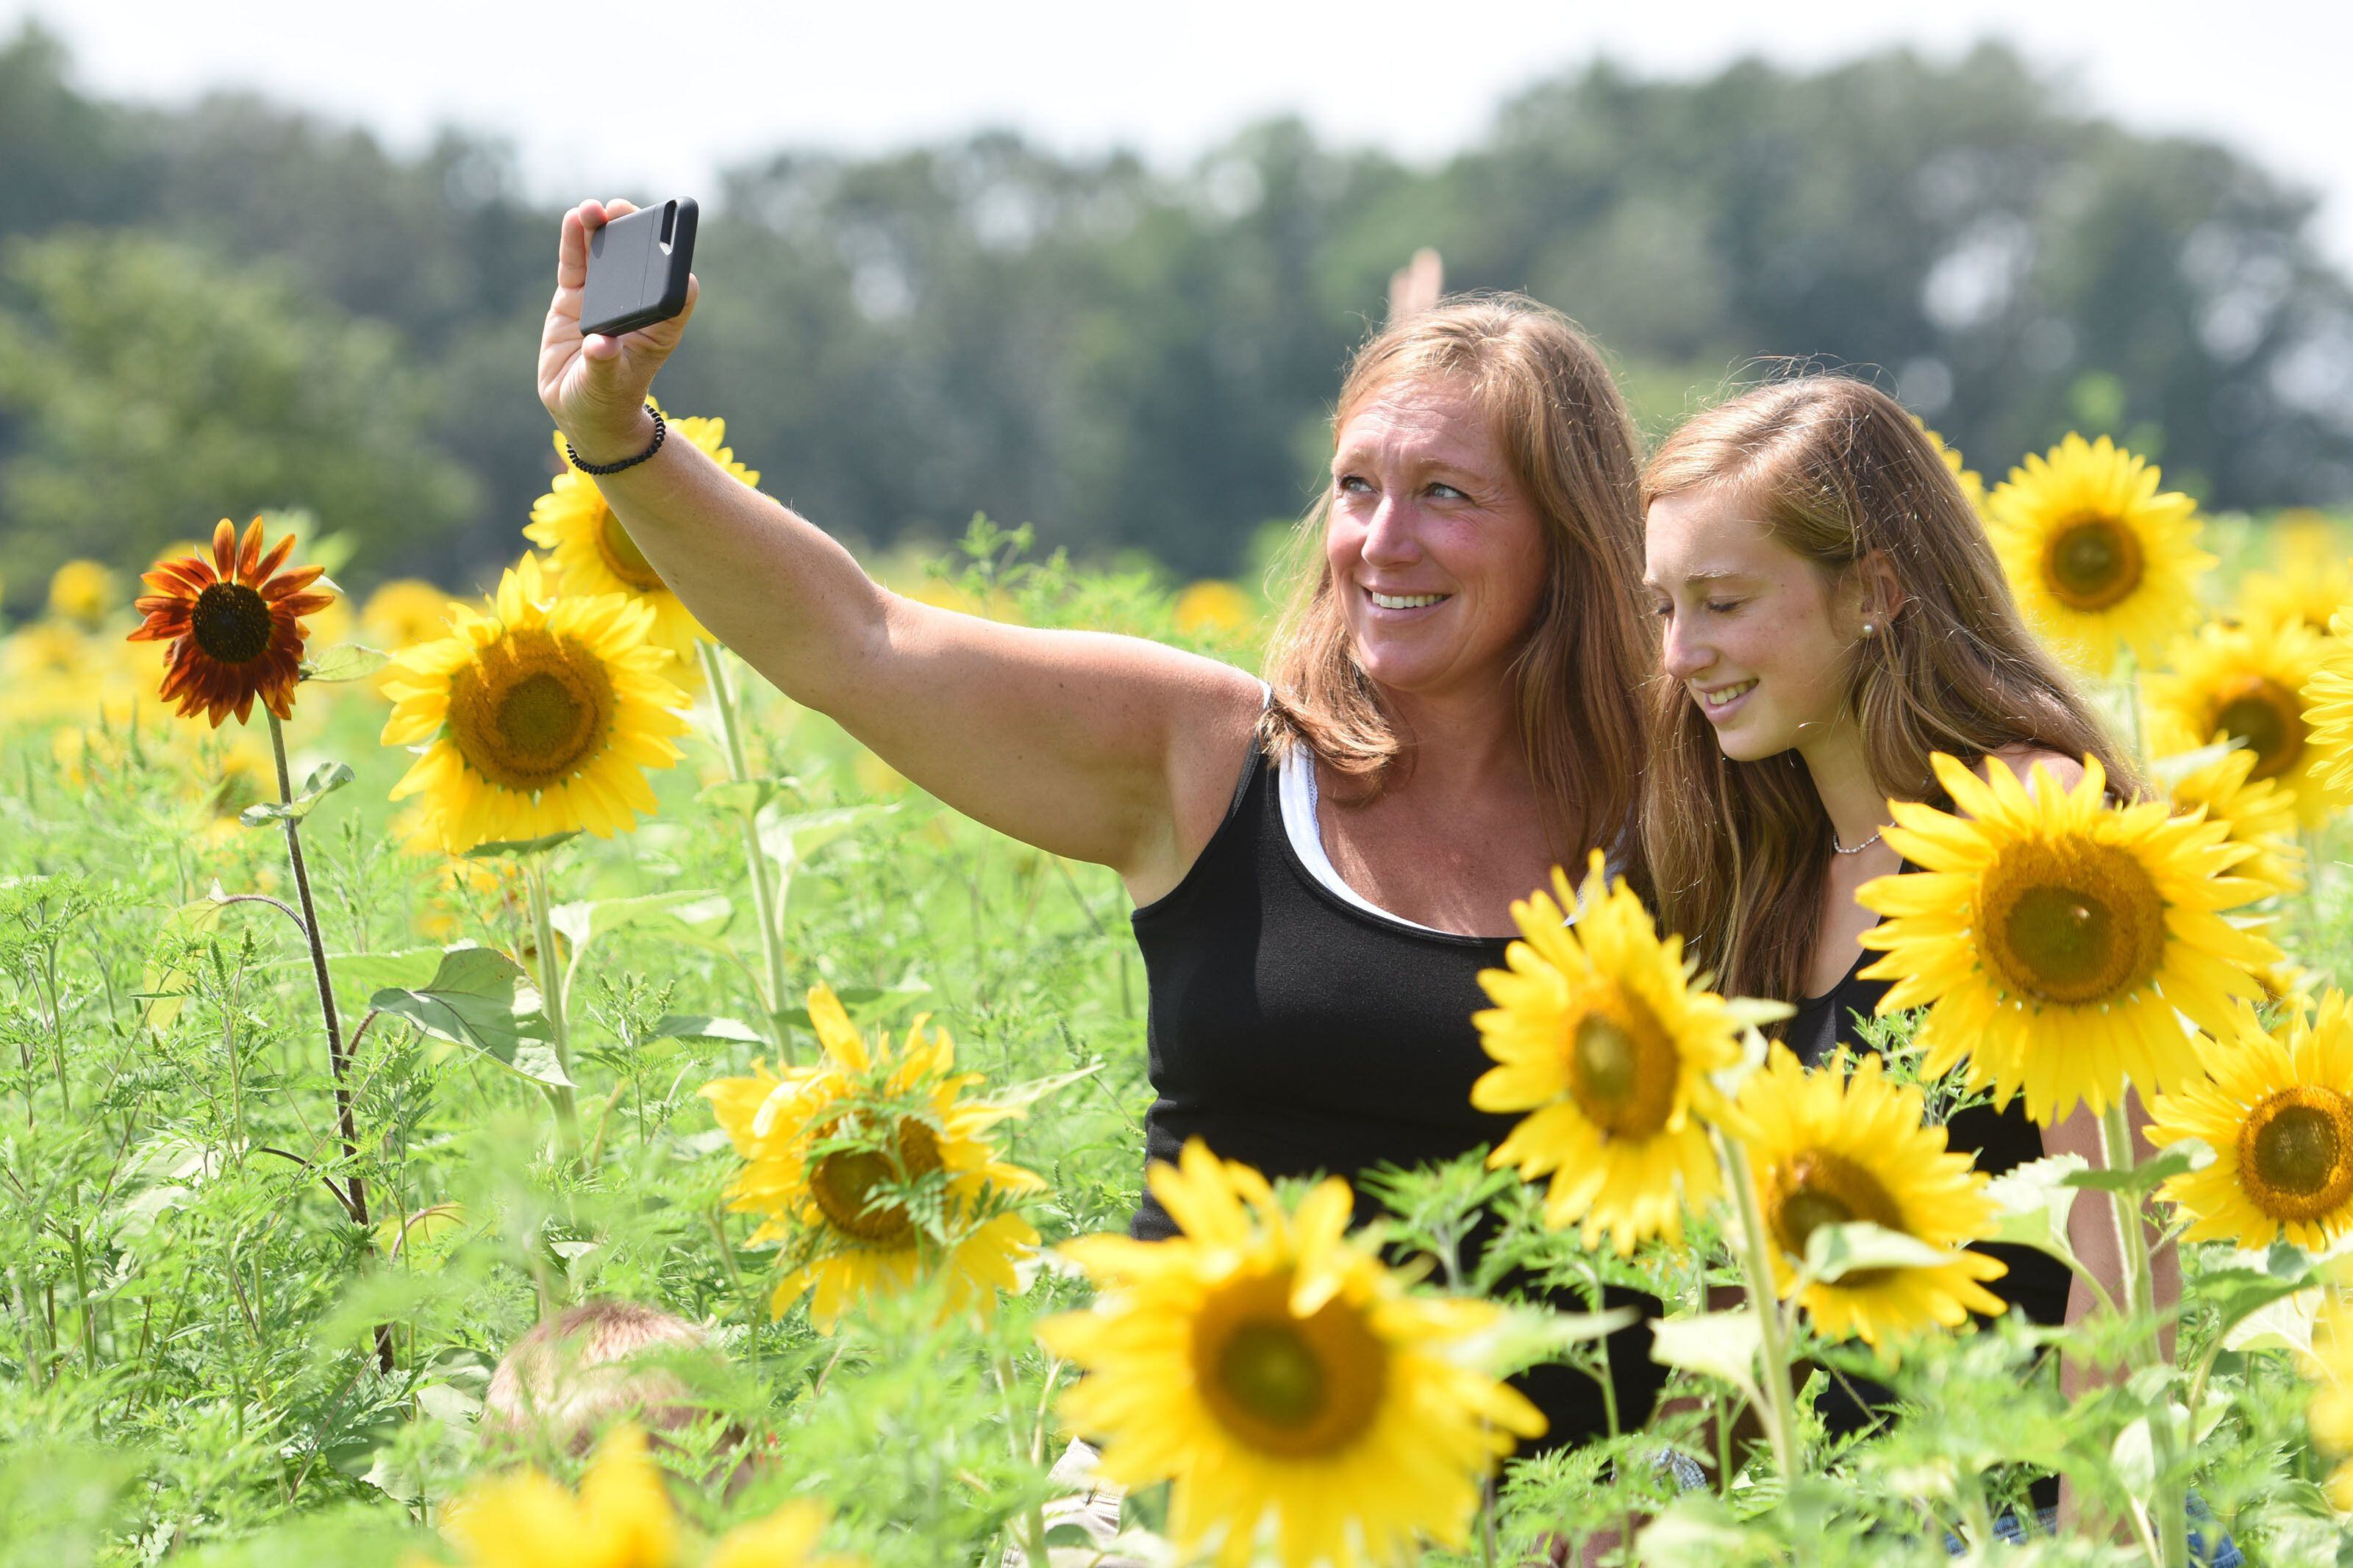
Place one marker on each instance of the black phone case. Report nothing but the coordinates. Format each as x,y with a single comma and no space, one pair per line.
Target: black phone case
636,268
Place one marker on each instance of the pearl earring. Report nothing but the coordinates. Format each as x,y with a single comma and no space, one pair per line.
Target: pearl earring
1868,630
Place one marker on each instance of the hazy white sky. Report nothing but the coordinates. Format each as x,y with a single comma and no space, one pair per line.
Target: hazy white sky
605,98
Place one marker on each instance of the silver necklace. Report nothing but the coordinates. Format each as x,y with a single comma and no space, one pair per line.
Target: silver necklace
1839,848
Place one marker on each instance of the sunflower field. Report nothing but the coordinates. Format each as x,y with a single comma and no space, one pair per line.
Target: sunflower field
489,1081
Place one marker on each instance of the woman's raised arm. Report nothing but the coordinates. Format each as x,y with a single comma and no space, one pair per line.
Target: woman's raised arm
1110,749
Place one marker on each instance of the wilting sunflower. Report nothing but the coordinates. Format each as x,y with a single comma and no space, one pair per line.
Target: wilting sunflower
2277,1110
852,1163
2096,555
1282,1378
2244,684
538,718
2328,711
1971,482
1601,1034
1831,1149
2310,596
233,624
593,553
2053,936
2258,813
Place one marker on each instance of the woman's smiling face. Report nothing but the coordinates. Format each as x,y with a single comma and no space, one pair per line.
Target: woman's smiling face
1761,639
1437,559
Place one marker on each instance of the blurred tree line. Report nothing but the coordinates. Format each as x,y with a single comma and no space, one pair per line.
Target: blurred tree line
209,311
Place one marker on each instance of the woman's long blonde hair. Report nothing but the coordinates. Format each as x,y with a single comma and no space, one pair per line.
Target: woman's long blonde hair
1838,471
1568,439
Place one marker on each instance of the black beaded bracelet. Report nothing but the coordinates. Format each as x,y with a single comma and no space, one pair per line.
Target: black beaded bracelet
662,429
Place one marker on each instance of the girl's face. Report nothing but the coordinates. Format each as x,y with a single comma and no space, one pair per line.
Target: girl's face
1438,560
1759,638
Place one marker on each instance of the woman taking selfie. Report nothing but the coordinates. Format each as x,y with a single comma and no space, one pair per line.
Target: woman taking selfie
1833,614
1321,863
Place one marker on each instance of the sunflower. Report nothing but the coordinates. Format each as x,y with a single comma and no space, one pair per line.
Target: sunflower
234,624
2310,596
621,1517
2096,554
593,553
2244,684
1212,608
2330,1414
1830,1149
405,611
538,718
2053,936
1972,484
1283,1377
2258,813
874,1173
83,592
2277,1110
2328,711
1601,1034
2304,538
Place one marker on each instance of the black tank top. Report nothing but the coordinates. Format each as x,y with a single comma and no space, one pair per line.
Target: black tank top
1297,1033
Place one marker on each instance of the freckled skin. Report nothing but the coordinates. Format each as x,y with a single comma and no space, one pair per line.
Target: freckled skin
1425,504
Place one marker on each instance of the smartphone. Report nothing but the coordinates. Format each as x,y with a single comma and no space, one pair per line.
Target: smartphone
637,270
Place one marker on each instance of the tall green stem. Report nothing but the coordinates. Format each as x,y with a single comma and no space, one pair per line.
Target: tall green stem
347,1123
2166,1506
551,995
1757,1262
755,861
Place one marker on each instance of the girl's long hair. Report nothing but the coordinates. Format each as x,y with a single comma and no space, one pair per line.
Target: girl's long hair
1837,470
1568,439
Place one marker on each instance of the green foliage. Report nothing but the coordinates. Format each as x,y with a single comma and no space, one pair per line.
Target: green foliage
160,390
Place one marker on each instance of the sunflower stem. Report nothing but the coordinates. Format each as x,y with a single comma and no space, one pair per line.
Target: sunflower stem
551,995
345,1121
1033,1523
2167,1507
771,952
1757,1262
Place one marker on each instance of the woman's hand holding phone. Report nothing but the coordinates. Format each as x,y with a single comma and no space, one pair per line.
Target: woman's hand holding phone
594,386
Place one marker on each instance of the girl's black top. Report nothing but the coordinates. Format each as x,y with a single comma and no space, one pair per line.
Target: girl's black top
2037,1282
1299,1034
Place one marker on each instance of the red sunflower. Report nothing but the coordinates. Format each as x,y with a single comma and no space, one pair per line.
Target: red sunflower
234,622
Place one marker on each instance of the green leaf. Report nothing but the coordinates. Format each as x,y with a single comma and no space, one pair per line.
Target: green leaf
673,914
347,661
701,1026
1523,1336
165,980
2284,1322
2176,1160
743,794
1834,1251
324,780
791,838
1723,1345
867,1005
364,973
1020,1097
521,847
2035,1200
480,997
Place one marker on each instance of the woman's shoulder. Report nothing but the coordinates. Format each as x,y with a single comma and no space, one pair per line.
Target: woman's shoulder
2065,771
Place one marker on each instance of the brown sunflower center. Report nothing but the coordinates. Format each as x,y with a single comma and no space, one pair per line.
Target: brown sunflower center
531,710
846,1185
2264,717
1622,1069
2295,1153
2092,563
231,623
1820,1188
2071,923
1287,1385
621,555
